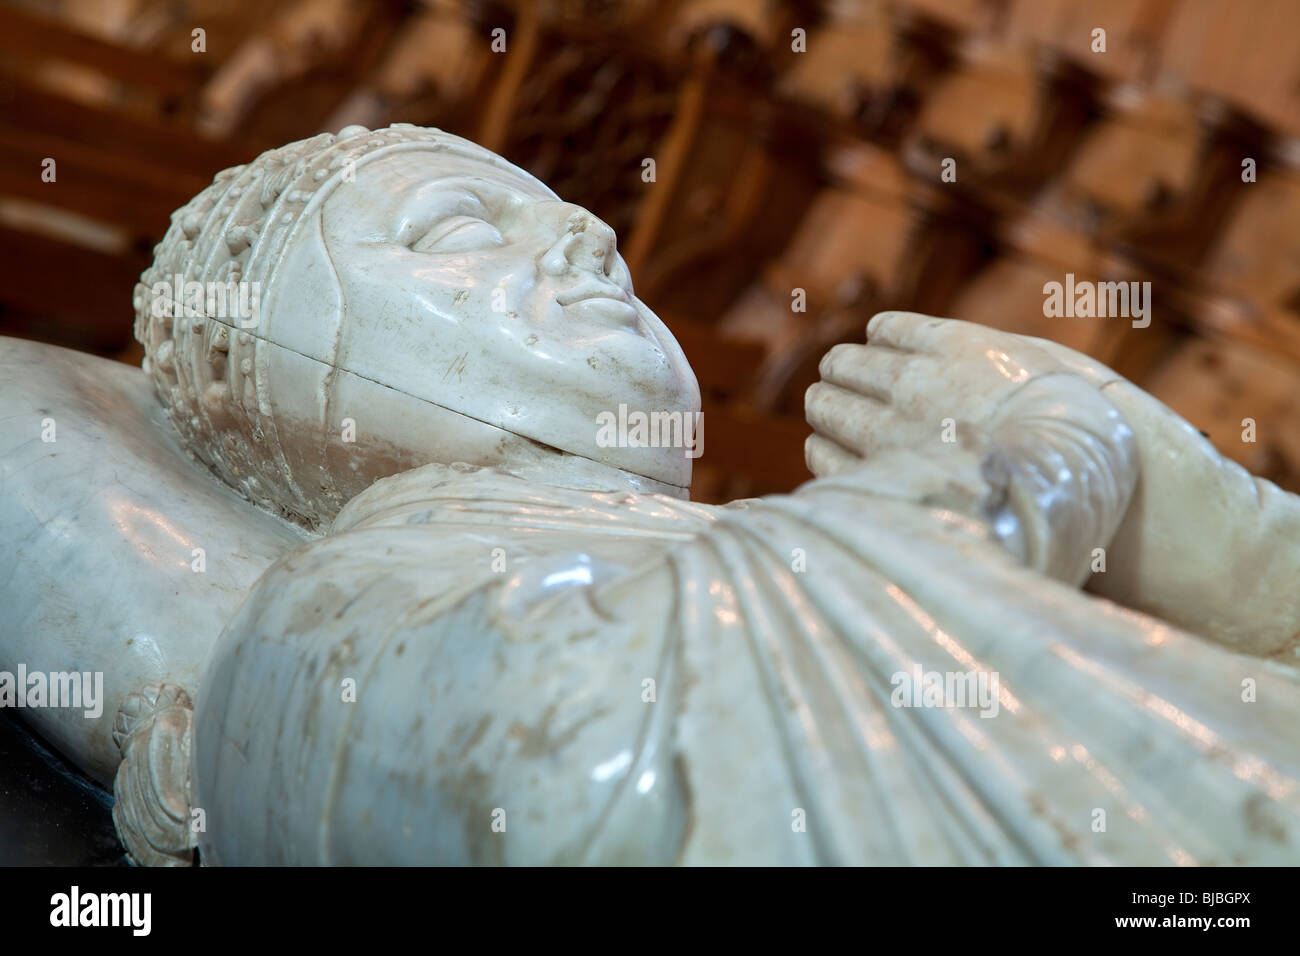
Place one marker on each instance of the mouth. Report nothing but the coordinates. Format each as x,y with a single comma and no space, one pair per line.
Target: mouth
601,302
585,291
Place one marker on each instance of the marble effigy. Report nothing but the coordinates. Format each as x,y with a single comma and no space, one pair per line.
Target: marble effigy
367,583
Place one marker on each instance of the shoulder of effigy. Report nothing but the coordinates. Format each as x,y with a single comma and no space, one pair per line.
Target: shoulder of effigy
435,493
397,498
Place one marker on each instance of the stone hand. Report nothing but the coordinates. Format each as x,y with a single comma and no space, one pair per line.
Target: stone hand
914,380
151,808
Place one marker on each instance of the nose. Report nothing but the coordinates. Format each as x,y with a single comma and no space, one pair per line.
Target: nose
583,242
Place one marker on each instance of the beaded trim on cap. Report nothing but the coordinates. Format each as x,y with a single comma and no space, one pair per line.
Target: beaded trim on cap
204,366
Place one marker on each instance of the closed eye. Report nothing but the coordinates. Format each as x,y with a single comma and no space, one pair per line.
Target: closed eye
459,234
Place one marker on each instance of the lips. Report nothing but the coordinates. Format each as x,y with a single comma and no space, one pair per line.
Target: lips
601,302
592,290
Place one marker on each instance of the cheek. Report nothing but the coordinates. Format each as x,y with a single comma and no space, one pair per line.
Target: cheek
498,282
461,285
516,288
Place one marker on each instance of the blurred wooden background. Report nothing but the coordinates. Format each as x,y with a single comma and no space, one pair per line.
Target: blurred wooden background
776,169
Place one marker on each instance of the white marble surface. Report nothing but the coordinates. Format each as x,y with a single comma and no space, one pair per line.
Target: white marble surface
99,528
477,634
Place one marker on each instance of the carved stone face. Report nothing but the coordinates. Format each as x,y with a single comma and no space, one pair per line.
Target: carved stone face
423,301
473,288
